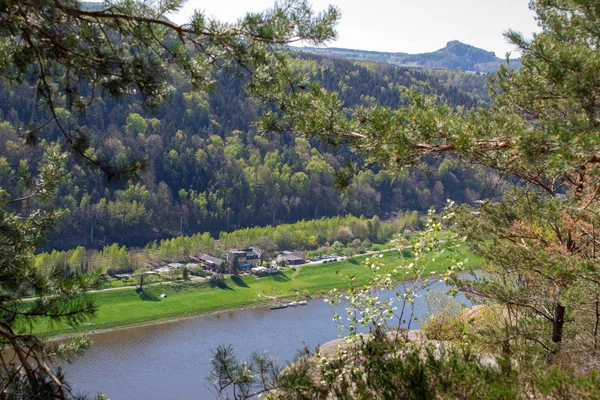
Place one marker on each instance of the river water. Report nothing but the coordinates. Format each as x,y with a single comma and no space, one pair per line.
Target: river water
172,360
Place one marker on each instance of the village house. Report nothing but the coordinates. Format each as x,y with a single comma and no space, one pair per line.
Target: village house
163,270
246,259
290,258
168,268
209,262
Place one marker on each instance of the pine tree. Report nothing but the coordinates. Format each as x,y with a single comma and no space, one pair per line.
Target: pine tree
74,54
542,132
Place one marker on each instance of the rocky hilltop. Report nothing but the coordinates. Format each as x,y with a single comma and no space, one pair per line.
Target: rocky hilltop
455,55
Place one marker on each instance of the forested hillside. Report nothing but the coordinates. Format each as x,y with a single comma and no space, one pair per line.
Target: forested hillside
208,169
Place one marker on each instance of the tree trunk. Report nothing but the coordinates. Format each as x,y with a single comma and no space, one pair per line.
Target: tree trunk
506,351
557,330
597,323
558,323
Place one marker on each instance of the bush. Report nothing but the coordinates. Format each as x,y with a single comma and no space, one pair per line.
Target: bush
217,280
198,271
445,320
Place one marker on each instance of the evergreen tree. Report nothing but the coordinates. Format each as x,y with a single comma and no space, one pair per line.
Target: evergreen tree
72,54
542,132
235,267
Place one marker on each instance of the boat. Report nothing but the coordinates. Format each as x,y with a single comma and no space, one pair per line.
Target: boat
302,302
293,304
277,306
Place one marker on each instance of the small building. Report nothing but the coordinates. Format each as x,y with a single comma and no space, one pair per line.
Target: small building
246,259
174,265
209,262
291,258
163,270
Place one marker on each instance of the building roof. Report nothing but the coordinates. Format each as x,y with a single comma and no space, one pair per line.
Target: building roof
174,265
250,253
291,257
210,259
296,253
256,251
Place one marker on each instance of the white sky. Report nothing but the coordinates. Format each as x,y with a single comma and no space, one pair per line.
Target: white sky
409,26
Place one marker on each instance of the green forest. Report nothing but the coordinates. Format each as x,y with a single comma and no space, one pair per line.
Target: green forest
208,169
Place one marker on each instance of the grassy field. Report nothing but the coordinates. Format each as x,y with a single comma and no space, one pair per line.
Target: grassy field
123,307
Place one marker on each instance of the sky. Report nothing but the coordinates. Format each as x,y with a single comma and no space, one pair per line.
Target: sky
407,26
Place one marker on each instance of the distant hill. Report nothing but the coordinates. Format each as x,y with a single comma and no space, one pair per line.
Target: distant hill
455,55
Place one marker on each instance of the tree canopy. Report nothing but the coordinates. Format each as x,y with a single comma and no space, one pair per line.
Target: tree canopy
78,52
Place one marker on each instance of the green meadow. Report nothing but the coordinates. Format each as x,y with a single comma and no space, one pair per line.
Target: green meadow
126,307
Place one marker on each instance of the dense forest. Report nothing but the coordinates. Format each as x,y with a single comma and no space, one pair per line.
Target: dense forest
208,169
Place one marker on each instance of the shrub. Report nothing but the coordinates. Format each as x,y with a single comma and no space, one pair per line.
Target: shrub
445,321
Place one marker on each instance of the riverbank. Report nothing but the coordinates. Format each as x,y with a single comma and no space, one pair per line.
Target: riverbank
122,308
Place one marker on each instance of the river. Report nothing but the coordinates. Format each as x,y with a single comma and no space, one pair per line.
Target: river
172,360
